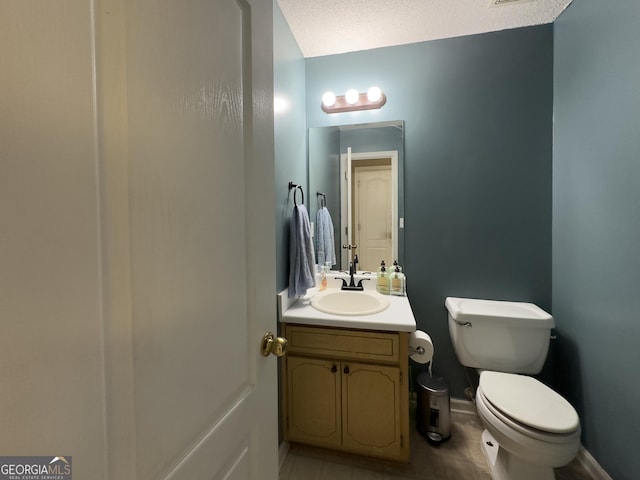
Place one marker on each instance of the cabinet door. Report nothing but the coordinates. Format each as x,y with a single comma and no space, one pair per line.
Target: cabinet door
313,401
371,410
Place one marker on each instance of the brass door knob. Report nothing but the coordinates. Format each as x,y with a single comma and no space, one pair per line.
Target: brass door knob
272,344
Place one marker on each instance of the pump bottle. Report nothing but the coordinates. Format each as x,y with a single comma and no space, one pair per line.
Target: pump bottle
382,281
398,282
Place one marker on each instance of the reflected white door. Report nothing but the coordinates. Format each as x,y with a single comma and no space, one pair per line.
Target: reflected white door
349,163
372,212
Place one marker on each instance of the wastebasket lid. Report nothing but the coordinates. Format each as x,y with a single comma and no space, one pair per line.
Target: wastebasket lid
432,383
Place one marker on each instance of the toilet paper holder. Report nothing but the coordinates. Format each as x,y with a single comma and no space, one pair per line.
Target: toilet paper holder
413,350
420,347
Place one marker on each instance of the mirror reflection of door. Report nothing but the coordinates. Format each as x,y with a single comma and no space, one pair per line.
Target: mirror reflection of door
372,212
328,152
370,182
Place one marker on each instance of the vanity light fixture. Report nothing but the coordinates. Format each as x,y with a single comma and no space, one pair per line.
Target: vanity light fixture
352,96
353,101
329,99
374,94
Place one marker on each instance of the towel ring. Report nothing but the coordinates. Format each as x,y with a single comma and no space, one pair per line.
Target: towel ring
294,195
322,198
293,185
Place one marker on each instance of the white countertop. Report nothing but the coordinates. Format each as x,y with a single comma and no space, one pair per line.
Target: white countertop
398,317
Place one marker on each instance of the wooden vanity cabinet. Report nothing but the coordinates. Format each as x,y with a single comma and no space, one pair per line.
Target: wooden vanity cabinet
347,390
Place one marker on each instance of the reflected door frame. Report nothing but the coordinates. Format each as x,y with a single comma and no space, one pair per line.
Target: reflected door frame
346,196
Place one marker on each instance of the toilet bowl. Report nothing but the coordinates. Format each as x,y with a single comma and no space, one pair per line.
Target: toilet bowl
530,429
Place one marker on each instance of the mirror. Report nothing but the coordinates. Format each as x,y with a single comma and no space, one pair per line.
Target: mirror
358,171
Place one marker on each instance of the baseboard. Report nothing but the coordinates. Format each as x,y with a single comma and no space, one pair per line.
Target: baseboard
460,405
590,465
282,453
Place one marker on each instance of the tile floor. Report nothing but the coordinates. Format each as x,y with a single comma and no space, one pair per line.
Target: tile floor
459,458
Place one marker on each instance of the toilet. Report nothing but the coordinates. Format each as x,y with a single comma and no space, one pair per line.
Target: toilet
529,428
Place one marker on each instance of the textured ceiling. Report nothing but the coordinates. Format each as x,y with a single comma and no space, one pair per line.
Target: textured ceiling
326,27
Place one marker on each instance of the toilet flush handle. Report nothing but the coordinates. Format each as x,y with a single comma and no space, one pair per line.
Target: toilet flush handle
463,324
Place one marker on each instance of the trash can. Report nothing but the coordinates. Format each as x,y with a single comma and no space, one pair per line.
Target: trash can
434,409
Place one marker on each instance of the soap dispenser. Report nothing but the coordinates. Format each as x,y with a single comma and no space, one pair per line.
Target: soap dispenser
382,281
323,278
382,265
398,282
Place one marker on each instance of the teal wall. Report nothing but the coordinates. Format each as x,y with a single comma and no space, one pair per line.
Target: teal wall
596,225
477,179
290,133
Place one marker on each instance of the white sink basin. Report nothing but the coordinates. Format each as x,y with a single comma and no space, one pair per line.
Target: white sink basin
343,302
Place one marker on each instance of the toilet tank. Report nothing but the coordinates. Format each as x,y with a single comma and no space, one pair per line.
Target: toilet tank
495,335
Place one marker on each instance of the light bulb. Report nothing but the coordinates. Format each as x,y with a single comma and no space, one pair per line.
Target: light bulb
329,99
352,96
374,94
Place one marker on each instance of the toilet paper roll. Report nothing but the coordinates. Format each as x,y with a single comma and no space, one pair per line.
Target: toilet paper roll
417,340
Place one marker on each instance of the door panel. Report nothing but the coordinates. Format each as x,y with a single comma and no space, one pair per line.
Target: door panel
371,392
200,399
187,165
191,109
372,212
313,400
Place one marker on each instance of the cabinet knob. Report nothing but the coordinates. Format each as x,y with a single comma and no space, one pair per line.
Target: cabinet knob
346,370
334,369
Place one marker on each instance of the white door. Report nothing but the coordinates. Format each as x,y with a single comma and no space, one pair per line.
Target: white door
138,137
202,399
372,215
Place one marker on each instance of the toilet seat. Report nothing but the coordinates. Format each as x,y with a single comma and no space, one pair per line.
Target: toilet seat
521,429
541,451
532,407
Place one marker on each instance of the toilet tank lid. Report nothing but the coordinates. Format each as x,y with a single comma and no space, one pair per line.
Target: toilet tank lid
515,314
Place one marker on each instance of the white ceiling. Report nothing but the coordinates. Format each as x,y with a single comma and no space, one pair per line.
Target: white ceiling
326,27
